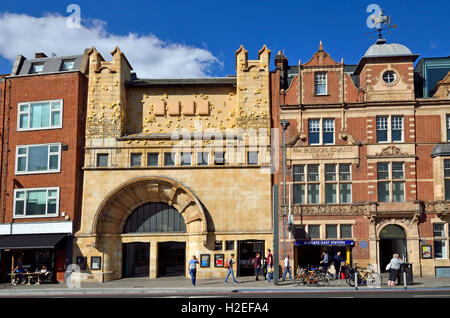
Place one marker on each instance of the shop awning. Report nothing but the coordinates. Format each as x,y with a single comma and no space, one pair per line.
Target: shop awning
30,241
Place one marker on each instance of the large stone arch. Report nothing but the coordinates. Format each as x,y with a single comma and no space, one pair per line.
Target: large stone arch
118,205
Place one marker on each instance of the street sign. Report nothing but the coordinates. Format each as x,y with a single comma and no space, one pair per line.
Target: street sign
326,242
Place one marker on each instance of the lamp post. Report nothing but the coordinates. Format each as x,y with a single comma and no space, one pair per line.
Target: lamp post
284,124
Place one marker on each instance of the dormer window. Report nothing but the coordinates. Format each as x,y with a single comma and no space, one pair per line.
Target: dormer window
68,65
321,83
389,77
37,68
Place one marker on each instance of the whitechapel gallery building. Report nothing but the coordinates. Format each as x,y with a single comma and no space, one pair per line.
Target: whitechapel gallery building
174,168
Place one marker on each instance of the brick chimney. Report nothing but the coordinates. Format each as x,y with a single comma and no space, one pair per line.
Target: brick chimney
281,63
39,55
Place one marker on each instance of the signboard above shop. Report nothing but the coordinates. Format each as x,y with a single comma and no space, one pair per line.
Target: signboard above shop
326,243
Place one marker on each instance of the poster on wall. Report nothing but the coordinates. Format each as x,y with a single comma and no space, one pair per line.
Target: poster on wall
426,251
205,260
218,260
82,262
95,262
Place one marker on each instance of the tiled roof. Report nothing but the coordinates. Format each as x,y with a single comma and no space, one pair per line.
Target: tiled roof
51,64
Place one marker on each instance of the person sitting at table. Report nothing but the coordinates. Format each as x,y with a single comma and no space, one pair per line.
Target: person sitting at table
18,278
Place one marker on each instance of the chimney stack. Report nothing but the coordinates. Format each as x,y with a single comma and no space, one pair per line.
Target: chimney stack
39,55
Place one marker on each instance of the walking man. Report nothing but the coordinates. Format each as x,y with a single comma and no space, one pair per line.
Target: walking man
193,269
287,268
337,261
229,264
257,264
325,261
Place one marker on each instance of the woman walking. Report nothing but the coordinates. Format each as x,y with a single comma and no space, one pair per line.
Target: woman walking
193,269
394,267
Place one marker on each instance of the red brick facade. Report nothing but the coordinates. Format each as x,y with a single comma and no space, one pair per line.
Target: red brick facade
355,132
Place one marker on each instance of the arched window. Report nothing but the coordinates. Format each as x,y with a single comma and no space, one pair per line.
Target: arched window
392,231
155,218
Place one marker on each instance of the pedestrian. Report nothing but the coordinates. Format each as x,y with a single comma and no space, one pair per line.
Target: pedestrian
229,265
287,268
325,261
193,269
265,268
257,264
269,264
393,267
337,261
269,274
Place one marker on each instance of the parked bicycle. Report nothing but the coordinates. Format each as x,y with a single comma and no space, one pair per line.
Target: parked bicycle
312,276
365,277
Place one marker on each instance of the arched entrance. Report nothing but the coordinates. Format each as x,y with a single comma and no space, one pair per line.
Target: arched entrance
392,240
136,220
154,218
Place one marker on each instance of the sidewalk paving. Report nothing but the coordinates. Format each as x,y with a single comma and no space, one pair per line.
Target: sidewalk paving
181,285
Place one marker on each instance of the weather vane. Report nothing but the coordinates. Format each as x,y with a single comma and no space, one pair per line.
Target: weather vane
381,23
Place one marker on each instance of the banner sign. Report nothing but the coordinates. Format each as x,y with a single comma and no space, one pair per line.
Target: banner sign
326,242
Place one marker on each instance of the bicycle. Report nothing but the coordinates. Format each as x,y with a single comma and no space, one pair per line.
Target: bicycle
367,277
311,276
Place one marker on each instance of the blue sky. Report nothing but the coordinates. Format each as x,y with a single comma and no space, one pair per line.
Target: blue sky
209,32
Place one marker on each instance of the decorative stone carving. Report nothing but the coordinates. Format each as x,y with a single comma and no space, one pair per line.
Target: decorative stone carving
328,209
391,151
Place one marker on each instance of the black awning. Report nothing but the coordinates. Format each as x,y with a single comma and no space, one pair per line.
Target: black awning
30,241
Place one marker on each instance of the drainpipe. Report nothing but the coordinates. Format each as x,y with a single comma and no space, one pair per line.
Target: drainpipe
5,142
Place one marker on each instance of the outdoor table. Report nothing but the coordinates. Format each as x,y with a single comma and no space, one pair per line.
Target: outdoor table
27,275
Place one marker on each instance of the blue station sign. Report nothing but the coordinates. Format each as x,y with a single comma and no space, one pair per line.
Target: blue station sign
326,243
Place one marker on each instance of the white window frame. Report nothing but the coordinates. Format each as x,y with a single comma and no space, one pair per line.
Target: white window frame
320,128
320,78
389,128
33,67
444,238
57,189
48,159
61,111
390,180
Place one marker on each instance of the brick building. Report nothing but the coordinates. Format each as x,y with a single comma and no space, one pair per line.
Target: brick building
44,102
366,160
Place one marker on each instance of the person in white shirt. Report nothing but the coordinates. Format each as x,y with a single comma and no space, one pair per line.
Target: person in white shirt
394,267
287,268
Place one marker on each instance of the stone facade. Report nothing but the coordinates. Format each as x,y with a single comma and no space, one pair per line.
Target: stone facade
128,117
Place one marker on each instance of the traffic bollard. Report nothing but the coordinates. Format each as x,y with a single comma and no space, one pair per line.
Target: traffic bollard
356,280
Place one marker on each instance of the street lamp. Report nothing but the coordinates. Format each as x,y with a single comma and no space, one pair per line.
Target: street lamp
284,124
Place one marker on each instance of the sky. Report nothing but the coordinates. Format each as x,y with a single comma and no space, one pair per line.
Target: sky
198,38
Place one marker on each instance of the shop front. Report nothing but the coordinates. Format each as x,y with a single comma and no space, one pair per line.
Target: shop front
309,253
32,252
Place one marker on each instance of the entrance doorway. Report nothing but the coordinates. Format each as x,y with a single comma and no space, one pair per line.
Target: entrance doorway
311,255
136,259
392,240
171,259
246,252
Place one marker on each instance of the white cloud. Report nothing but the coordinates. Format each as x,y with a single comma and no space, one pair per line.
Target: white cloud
149,56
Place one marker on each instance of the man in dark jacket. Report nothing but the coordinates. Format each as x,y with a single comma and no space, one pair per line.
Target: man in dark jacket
337,261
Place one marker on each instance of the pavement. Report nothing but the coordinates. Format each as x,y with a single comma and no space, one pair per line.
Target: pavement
182,286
